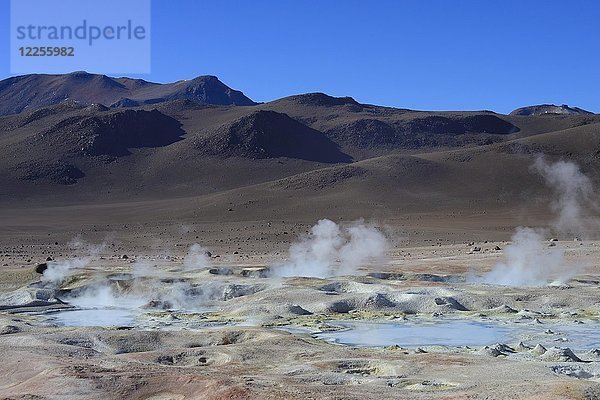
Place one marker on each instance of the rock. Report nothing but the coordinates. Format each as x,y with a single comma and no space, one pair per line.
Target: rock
165,360
553,240
40,268
9,329
551,244
221,271
497,248
476,248
124,257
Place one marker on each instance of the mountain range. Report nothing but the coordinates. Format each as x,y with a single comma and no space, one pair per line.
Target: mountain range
81,138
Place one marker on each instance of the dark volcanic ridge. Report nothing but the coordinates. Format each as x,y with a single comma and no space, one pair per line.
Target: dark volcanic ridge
268,134
544,109
30,92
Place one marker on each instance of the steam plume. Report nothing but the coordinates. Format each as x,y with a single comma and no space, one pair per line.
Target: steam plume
58,271
330,250
528,260
573,196
197,257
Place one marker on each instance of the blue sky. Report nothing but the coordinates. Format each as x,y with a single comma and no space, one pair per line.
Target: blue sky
436,54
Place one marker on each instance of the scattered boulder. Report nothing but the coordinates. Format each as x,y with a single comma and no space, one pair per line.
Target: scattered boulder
9,329
221,271
40,268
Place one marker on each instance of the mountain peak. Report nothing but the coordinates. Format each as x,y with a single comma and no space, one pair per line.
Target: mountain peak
30,92
322,99
549,109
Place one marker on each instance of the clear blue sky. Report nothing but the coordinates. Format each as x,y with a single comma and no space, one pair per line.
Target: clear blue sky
420,54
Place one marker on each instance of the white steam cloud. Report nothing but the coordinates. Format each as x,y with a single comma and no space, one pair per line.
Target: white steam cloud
197,257
330,250
146,286
574,199
58,271
529,261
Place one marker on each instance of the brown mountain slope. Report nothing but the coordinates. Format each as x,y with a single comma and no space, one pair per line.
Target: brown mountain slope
295,151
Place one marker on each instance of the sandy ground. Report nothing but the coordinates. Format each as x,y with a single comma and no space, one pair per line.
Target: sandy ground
229,345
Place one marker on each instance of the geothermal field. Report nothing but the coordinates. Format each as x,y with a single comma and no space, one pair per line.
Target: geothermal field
308,248
347,310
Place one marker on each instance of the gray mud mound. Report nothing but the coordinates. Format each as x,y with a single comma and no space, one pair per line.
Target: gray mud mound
560,354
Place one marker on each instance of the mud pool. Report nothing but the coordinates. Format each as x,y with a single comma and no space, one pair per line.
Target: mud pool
104,317
457,333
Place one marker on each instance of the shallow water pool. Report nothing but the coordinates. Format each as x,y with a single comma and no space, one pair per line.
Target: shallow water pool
455,333
463,333
94,317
